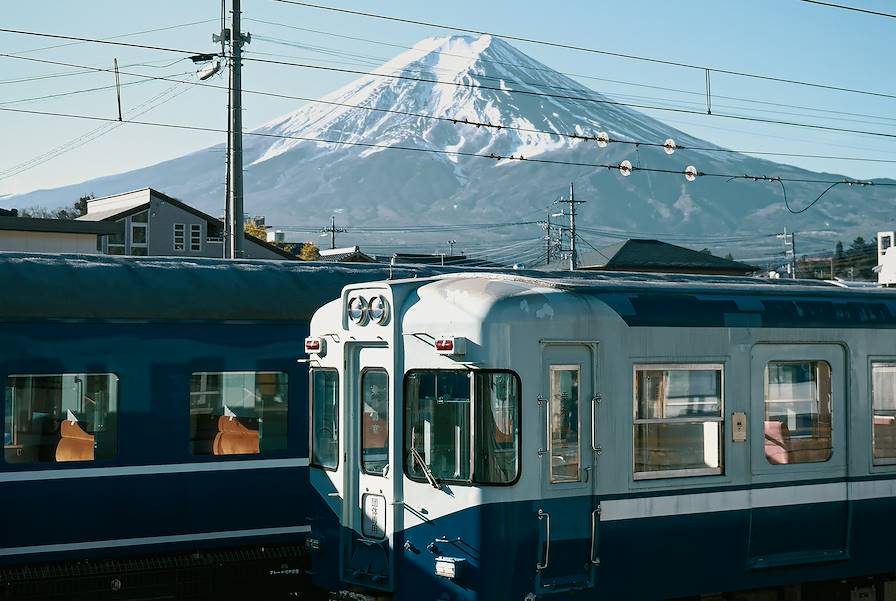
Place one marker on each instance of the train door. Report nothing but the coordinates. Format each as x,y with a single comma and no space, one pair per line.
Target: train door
799,514
567,514
368,508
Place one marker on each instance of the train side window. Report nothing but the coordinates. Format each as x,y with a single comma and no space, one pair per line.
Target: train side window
238,412
60,417
374,421
798,412
325,418
678,420
883,395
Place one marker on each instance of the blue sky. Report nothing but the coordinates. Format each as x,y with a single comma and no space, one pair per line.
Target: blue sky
782,38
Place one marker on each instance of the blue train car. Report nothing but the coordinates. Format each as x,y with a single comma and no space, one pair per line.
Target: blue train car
155,422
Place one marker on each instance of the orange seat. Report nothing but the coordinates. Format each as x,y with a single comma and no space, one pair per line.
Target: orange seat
777,443
234,438
75,444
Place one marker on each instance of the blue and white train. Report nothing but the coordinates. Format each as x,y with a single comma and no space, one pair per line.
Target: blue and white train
155,423
495,437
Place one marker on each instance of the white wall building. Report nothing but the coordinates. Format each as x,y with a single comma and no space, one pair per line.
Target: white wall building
62,236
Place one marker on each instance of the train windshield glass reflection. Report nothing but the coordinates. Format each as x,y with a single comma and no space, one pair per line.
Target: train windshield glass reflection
443,423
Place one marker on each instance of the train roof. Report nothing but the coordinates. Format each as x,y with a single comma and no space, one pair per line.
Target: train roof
44,286
706,301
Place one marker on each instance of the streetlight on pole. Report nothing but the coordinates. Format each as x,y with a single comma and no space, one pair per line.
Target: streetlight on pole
451,244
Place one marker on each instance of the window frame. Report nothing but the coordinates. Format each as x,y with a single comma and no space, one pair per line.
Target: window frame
766,379
112,456
389,421
473,421
311,462
560,367
196,237
684,472
222,374
882,462
183,237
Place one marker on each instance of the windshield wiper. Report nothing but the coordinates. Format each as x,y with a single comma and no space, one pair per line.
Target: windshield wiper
426,471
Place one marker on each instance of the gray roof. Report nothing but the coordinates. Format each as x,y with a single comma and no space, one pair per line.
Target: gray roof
656,256
62,226
139,205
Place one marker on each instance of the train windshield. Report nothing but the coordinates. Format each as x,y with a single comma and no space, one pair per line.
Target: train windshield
463,425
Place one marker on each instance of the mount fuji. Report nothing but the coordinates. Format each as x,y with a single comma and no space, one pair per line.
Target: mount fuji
486,80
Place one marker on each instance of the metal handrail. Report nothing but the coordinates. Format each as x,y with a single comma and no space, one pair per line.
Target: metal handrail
595,403
543,515
595,517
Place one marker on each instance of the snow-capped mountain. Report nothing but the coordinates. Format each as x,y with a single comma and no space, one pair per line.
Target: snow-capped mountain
296,175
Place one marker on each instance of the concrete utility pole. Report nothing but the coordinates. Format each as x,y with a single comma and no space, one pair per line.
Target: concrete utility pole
547,239
789,252
572,202
333,230
236,39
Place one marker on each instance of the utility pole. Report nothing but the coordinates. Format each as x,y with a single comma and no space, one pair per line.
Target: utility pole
333,230
547,239
572,202
451,244
789,252
235,39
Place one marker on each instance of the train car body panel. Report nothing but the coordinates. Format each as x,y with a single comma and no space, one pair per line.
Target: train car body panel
708,435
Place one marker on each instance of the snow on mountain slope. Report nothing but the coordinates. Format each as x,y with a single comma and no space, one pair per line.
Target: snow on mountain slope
484,79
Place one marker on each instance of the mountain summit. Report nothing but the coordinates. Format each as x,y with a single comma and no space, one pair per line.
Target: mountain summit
296,175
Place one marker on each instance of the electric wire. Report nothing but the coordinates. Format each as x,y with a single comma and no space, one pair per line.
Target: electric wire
588,50
458,153
701,94
467,85
852,8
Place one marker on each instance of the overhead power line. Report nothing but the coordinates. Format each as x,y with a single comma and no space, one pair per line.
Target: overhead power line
589,50
852,8
624,167
480,86
454,120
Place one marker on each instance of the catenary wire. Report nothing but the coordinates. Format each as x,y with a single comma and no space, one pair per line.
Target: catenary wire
459,153
588,50
461,84
460,121
852,8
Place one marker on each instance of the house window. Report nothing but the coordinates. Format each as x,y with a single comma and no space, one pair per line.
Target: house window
195,237
678,420
238,413
179,236
139,227
883,403
798,412
885,242
214,232
115,243
60,417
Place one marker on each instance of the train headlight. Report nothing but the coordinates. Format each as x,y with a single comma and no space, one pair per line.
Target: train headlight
357,310
378,310
449,567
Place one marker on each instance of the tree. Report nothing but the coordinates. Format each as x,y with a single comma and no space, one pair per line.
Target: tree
255,230
309,252
76,210
729,256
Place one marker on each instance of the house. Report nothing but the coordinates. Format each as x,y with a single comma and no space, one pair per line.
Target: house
886,259
437,259
154,224
656,257
348,254
28,234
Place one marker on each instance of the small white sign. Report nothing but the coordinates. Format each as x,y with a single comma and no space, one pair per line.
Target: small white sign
373,522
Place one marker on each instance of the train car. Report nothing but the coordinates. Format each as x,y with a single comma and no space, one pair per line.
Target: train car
155,423
504,438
